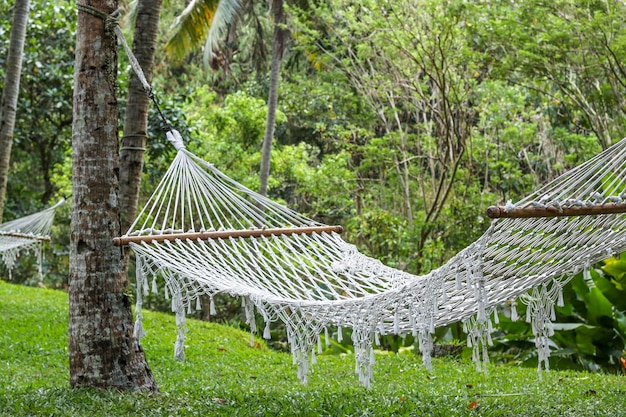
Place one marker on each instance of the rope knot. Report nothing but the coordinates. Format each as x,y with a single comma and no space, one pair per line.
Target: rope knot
110,20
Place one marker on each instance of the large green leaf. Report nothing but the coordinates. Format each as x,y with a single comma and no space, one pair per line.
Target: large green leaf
570,326
598,306
616,268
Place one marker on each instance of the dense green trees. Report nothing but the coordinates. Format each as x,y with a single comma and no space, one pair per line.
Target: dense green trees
401,121
569,50
43,122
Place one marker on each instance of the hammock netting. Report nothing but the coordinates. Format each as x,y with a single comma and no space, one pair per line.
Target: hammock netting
290,268
26,234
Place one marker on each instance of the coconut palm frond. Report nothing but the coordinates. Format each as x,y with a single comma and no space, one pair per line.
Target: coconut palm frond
191,28
227,11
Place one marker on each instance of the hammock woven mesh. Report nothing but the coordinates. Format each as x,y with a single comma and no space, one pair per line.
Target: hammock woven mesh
26,234
289,268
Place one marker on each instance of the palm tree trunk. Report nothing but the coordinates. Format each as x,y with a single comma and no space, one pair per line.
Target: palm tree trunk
136,120
103,352
277,54
8,105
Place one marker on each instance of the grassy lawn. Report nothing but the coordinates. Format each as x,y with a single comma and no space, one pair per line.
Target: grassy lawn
224,376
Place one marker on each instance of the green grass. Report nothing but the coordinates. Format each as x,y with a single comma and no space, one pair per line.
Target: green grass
224,376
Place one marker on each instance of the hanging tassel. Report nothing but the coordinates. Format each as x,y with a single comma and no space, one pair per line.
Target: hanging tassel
381,327
457,278
480,315
179,347
559,301
496,316
326,338
485,359
138,331
167,293
528,313
141,280
301,375
176,303
155,288
198,304
250,316
266,333
339,334
313,358
426,347
377,338
40,262
212,310
189,307
319,344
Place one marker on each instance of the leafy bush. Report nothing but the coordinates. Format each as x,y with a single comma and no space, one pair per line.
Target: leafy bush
590,331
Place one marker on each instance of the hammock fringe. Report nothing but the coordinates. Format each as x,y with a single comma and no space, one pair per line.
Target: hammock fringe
289,268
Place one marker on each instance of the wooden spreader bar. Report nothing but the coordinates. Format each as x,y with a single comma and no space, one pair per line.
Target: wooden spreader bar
496,212
225,234
25,236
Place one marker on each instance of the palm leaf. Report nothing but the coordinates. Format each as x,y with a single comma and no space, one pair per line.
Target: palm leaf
227,11
191,28
202,22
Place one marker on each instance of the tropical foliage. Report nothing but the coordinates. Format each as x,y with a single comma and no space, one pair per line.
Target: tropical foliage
401,121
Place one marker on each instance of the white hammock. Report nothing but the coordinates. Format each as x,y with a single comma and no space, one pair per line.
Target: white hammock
190,234
26,234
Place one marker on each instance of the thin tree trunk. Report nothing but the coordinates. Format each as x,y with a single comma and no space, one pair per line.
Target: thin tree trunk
103,352
136,120
277,54
10,93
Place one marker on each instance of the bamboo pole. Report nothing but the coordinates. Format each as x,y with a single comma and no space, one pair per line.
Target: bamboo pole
496,212
25,236
225,234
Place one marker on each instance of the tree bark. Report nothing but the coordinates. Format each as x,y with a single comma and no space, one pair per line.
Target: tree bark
103,351
136,120
10,93
278,46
